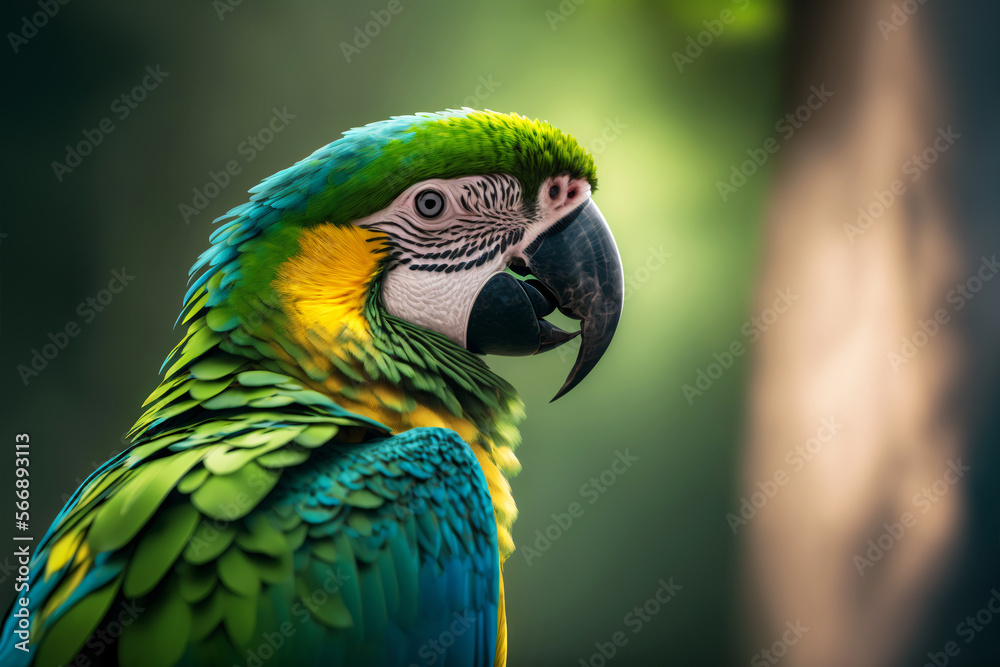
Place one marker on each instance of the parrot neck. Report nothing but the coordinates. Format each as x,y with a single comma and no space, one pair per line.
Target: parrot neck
320,322
350,348
378,366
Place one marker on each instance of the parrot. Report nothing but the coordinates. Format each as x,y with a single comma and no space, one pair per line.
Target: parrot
322,476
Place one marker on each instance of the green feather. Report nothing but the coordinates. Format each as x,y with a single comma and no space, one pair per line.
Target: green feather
364,498
238,573
223,462
262,538
236,398
195,346
260,378
328,608
296,536
204,390
314,436
283,458
193,480
207,615
159,547
196,582
158,636
240,616
66,636
216,366
273,570
208,543
121,517
215,498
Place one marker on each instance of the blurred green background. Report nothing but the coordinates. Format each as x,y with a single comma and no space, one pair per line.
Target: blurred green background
605,72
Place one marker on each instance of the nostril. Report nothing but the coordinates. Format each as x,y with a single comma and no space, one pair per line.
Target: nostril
553,192
518,266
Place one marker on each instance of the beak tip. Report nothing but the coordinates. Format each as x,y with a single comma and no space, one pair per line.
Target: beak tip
559,394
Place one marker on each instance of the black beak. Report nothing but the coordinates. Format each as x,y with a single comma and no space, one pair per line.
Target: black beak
578,270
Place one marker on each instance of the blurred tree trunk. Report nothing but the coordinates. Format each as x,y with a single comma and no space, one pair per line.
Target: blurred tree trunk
865,285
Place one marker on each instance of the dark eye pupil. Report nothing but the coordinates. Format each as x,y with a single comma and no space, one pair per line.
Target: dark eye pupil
554,192
430,203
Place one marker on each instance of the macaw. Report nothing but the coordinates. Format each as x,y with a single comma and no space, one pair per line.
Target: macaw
321,476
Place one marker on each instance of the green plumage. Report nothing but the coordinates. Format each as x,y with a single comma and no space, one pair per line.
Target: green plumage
207,525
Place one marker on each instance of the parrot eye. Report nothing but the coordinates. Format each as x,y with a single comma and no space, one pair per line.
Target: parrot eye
430,203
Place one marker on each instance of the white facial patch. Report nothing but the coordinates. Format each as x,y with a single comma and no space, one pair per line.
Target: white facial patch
439,301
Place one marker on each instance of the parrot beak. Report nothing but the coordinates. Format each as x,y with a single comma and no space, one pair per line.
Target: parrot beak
578,270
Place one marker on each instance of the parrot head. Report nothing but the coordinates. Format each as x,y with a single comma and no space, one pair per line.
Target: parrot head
471,225
451,241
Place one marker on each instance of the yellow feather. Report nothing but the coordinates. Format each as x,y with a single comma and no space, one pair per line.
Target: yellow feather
326,282
500,658
62,551
67,586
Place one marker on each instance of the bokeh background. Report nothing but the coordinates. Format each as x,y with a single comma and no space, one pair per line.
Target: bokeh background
672,101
